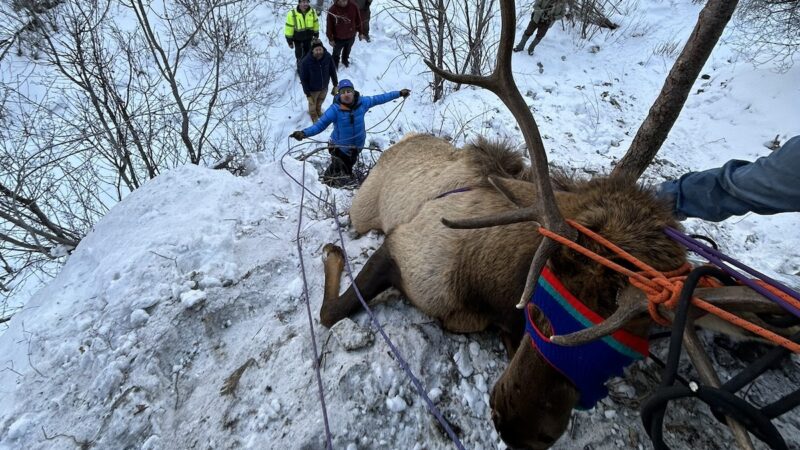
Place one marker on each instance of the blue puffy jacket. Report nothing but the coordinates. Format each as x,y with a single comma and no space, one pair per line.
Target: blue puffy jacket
349,130
769,185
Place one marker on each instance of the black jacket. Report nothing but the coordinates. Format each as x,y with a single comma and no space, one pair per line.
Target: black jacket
316,74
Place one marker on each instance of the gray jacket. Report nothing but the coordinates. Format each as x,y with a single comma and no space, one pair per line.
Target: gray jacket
769,185
550,10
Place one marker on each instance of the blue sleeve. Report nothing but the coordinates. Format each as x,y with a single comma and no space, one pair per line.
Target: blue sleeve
319,126
375,100
769,185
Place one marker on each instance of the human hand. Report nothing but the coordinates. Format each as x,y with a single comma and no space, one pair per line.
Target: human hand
360,36
291,44
299,135
405,93
335,91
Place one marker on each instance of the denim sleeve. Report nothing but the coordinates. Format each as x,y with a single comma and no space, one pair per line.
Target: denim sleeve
769,185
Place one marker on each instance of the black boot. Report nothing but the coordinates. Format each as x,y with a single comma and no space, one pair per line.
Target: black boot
533,45
522,42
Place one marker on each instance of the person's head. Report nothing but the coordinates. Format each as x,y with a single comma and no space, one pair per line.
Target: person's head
346,91
303,5
317,49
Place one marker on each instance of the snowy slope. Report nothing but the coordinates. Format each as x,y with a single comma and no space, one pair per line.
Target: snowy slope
197,274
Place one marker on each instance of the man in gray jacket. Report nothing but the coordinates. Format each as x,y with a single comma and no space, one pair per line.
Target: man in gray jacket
545,13
769,185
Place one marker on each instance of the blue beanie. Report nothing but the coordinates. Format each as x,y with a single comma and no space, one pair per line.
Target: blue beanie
346,84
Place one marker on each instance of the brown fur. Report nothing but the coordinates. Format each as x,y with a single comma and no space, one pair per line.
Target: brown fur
471,279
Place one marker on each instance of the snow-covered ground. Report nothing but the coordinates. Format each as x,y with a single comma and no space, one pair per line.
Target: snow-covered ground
197,277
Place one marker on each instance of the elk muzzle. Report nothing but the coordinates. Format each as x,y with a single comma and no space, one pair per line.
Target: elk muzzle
531,402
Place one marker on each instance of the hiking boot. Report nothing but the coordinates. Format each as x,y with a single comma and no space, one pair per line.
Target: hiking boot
367,38
519,48
346,63
530,49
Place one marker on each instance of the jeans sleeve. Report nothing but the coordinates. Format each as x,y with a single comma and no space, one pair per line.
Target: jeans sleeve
769,185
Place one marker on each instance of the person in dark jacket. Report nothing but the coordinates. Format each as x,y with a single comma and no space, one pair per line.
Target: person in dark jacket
545,13
302,25
349,130
316,71
344,22
363,9
768,185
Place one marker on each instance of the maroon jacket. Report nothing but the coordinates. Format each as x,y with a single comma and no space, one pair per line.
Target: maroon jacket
343,23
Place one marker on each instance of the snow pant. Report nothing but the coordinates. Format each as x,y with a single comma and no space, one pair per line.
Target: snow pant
315,100
540,28
340,171
342,48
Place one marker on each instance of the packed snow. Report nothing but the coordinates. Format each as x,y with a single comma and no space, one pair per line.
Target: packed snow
181,320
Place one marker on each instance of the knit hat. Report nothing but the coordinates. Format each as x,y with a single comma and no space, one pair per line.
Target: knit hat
316,43
345,84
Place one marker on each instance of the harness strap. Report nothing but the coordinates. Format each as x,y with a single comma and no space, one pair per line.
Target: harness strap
587,366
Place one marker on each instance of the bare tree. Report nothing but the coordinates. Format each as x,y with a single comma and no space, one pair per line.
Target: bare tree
768,31
665,110
105,104
451,34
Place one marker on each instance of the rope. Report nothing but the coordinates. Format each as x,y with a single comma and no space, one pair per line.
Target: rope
661,288
396,353
722,400
400,360
320,390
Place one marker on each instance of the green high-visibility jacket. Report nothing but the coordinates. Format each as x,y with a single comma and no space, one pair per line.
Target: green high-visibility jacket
301,26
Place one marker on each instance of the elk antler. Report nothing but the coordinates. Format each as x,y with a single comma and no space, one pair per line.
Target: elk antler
632,302
501,83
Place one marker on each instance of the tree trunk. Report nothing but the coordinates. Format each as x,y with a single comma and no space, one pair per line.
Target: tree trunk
665,110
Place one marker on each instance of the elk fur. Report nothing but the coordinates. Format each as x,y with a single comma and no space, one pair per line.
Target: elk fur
470,279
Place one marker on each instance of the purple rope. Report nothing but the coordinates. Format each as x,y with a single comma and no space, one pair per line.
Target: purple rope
320,390
454,191
719,259
420,390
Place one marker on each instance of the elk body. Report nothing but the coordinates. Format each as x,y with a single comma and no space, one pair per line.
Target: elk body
471,279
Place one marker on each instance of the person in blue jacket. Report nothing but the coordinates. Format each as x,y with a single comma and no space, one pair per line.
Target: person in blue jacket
768,185
349,130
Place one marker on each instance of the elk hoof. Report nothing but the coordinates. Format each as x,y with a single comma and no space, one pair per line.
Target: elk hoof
332,251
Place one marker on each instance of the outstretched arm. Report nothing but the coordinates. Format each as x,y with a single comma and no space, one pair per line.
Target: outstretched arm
768,185
374,100
323,122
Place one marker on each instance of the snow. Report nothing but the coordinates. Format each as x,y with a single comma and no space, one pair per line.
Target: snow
196,276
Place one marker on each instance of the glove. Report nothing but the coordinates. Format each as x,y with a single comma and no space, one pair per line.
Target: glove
335,91
291,44
360,36
404,93
299,135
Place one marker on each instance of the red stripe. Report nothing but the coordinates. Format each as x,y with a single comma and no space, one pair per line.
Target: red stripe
636,343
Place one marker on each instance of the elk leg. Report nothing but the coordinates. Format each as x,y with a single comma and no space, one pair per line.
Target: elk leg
376,276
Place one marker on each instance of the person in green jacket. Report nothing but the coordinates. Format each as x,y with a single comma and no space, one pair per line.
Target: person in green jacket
545,13
302,25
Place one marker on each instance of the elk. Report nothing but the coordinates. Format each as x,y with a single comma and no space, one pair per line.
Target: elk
469,272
